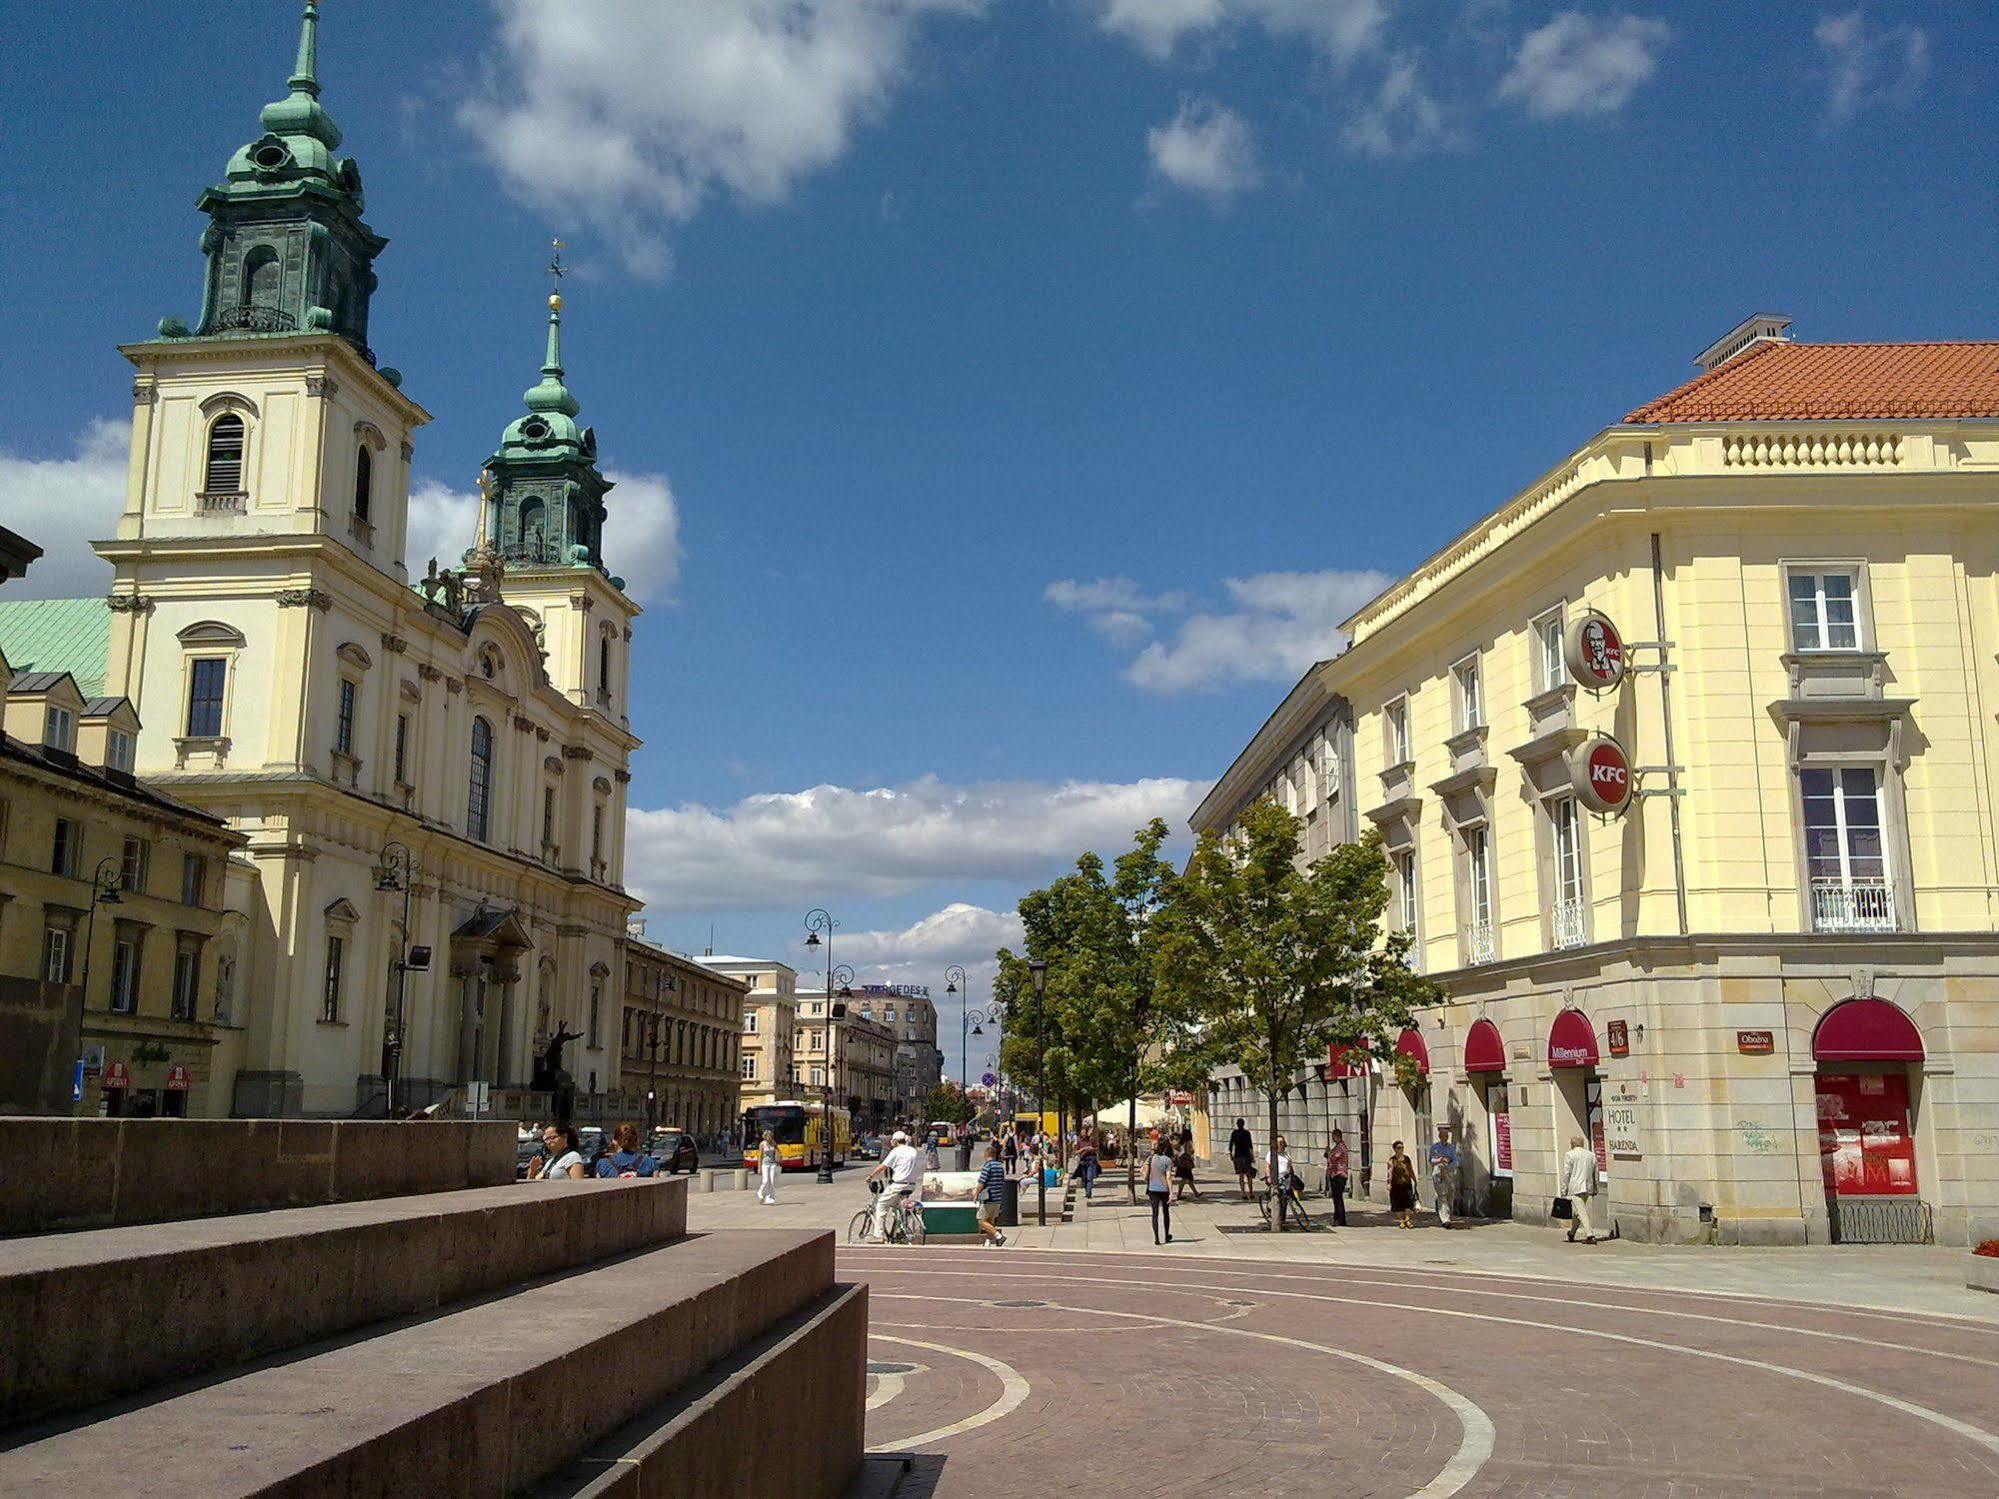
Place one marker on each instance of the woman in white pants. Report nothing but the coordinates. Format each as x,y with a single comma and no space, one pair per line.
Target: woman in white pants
768,1167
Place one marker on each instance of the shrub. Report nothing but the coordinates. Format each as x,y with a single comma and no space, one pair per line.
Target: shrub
1989,1248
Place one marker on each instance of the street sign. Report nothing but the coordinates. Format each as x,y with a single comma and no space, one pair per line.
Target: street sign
1600,772
1618,1033
1594,651
76,1083
1756,1043
988,1079
116,1075
177,1079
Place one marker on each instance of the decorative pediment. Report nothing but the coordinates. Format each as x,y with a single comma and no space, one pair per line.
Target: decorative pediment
355,655
342,912
211,632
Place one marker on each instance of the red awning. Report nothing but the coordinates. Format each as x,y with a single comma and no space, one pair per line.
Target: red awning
1572,1041
1410,1044
1484,1050
1346,1059
1866,1030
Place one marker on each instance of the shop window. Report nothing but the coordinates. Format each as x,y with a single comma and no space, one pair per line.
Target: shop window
1825,608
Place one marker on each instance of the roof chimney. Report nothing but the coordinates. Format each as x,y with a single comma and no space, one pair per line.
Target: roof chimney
1764,327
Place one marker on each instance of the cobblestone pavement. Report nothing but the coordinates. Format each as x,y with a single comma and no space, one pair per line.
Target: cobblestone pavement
1080,1361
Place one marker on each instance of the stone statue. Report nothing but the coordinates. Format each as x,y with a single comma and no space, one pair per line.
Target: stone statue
550,1078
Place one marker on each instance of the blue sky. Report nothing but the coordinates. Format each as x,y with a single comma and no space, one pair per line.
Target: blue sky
1011,397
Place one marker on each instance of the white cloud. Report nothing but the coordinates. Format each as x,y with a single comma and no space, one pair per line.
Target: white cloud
1866,64
641,535
779,848
62,505
1206,149
631,113
960,933
1280,625
1401,117
1578,66
1342,29
1116,608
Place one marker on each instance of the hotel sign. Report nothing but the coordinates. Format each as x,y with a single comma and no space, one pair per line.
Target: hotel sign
1620,1118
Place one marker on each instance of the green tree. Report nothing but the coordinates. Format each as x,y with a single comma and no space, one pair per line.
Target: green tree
1264,965
946,1104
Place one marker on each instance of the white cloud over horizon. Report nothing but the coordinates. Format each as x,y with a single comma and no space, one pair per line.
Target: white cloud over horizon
774,850
1576,65
1869,64
633,114
62,505
1206,149
1342,29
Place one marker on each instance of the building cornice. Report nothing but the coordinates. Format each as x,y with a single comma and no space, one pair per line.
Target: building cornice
304,350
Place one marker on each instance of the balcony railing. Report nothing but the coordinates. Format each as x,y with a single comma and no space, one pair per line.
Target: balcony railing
1570,921
1864,905
1479,946
255,320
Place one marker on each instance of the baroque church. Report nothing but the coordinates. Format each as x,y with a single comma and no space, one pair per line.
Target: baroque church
430,767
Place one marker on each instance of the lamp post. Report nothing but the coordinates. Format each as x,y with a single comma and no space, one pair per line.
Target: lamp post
103,892
816,921
395,869
1038,971
955,982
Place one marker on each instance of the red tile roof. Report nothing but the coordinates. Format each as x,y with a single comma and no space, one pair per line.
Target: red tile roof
1818,382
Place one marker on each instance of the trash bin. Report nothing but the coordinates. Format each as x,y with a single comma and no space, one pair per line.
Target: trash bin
1010,1203
964,1155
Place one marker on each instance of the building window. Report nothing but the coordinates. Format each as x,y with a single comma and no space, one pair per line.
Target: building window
206,678
750,1023
1407,895
596,836
547,818
336,958
818,1077
596,1010
225,989
1395,731
1570,921
118,751
55,954
193,876
1551,666
364,482
478,800
1824,610
224,473
343,728
1470,694
187,978
132,866
750,1069
67,853
125,972
604,667
402,749
1479,946
1846,856
59,729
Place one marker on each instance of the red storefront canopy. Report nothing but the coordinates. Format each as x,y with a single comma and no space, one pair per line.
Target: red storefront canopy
1484,1050
1410,1044
1346,1059
1866,1030
1572,1041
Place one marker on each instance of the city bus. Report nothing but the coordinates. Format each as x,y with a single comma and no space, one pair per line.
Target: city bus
800,1132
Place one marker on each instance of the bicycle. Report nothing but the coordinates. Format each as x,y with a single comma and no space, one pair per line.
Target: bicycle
905,1222
1295,1211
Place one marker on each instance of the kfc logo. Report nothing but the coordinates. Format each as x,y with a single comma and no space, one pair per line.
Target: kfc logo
1595,652
1600,773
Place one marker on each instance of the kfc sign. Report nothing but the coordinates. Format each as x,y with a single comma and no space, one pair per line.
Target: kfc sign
1595,652
1600,772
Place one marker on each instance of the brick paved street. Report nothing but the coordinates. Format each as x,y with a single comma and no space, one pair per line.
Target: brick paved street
1080,1361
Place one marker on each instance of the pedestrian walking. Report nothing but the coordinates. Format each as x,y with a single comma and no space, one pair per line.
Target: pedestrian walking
1012,1151
1579,1187
930,1151
992,1196
770,1166
1337,1176
1183,1167
1159,1192
1401,1185
1444,1174
624,1158
1242,1155
1087,1165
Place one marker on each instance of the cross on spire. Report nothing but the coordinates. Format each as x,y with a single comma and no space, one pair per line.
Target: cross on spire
556,269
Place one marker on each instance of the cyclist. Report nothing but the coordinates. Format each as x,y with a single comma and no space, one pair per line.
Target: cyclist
1282,1183
903,1166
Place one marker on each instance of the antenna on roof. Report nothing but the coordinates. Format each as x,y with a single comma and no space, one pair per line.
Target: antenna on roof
711,941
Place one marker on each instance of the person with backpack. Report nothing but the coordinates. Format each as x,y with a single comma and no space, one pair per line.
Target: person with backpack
624,1158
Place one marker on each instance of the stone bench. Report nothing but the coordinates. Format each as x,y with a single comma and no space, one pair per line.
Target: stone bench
494,1397
97,1314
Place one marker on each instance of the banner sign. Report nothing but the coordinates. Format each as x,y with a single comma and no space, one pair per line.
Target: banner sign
1502,1144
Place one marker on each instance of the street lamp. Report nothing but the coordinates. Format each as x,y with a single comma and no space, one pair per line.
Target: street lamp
816,921
103,892
955,982
1038,970
395,869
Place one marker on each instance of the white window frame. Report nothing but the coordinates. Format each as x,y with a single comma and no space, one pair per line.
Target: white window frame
59,728
135,856
1855,573
1841,825
1568,849
1409,895
118,752
1468,693
1550,646
1395,740
57,940
126,958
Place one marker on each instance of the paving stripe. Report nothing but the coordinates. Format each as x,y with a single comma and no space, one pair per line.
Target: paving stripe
1974,1434
1013,1390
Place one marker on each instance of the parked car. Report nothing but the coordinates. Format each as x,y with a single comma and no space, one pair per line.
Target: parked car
868,1148
675,1150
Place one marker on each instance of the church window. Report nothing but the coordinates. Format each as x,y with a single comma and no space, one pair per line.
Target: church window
260,277
206,677
604,667
478,807
364,481
224,474
343,731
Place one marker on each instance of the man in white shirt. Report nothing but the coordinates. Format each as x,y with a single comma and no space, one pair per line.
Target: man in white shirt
1579,1186
903,1166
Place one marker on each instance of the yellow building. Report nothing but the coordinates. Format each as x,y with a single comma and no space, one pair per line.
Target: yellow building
766,1062
1764,979
857,1053
681,1041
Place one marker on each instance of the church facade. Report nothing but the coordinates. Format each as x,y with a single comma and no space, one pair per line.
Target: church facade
430,767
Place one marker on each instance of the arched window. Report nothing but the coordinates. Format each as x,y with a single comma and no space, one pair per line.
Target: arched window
224,473
604,667
260,277
364,481
479,800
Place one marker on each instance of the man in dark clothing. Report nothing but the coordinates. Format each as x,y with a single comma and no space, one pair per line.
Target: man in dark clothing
992,1196
1242,1155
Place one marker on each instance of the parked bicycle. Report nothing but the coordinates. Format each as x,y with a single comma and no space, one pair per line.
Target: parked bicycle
1294,1209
